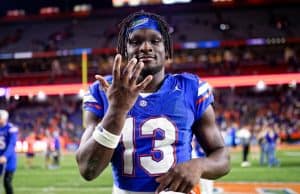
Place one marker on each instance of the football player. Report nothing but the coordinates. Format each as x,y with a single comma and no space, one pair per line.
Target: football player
8,156
142,120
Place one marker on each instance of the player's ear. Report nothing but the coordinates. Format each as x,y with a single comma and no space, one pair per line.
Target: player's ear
168,58
168,62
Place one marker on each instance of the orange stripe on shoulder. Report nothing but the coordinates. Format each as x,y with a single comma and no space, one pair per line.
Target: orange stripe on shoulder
203,98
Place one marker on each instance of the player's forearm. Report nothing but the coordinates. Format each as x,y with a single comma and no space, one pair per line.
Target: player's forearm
93,157
216,165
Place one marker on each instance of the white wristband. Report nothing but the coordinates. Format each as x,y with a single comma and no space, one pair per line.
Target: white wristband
105,138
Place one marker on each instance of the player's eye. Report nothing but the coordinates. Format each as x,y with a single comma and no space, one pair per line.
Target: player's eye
133,42
156,41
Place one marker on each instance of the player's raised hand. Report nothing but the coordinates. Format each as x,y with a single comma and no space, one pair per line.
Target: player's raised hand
104,84
124,90
182,178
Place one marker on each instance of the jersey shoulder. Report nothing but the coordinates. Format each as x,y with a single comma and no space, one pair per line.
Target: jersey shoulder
189,82
95,99
95,90
188,78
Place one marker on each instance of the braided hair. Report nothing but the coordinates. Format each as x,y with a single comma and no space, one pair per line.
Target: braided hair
162,25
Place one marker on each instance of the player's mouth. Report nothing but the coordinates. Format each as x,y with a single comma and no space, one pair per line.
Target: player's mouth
146,58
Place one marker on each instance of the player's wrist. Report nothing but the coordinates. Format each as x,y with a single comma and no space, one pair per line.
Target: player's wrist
114,120
105,137
199,165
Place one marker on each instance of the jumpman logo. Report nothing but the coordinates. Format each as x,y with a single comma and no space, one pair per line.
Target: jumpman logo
176,88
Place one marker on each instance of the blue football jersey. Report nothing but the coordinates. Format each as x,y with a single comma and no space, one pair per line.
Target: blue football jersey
8,139
157,133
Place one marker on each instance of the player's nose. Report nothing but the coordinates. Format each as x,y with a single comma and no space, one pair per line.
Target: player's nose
146,47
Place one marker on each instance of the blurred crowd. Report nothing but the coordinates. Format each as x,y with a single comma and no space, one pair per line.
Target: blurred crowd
204,62
276,107
61,115
266,118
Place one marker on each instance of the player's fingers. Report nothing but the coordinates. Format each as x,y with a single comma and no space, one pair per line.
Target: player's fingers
136,72
117,67
183,187
127,71
175,184
104,84
161,178
164,181
142,85
187,189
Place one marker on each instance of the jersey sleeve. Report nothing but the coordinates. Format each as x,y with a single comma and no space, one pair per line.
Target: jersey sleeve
198,93
204,97
13,136
95,100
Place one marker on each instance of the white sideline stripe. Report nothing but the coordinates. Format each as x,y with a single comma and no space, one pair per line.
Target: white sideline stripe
50,174
255,182
296,154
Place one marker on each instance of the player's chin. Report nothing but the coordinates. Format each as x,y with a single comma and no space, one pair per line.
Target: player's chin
149,63
151,70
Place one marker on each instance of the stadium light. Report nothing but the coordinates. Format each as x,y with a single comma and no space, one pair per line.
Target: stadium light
293,84
134,3
260,86
41,96
82,8
2,92
224,26
175,1
15,13
16,97
49,10
81,93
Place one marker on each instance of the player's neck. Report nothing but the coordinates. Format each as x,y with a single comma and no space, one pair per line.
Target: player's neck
156,82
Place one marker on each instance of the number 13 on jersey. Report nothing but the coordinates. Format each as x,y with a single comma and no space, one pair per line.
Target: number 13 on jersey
163,145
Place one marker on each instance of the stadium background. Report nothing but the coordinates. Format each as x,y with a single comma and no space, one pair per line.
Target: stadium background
247,50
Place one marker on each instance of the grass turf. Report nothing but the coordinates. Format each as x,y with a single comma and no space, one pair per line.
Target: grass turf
66,179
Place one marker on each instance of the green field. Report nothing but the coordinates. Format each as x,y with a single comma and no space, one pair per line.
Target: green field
66,179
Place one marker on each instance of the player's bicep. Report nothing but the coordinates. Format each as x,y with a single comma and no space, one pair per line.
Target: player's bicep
207,131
